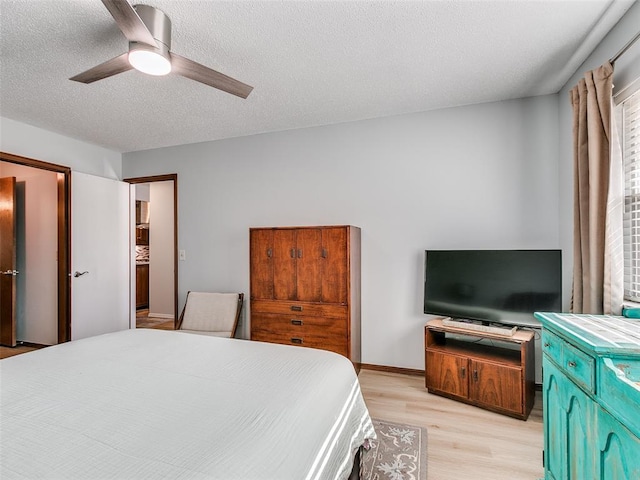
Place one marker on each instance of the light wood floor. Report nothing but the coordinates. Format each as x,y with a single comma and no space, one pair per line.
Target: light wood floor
6,352
143,320
463,442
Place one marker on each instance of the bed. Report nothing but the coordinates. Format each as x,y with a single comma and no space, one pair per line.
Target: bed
152,404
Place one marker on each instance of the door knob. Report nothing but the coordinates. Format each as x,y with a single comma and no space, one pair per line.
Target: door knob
11,272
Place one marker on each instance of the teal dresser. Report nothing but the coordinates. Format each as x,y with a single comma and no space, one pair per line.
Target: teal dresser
591,395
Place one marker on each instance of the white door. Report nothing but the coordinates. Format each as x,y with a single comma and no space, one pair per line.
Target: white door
100,213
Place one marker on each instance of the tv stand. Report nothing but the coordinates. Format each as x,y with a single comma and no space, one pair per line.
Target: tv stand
498,376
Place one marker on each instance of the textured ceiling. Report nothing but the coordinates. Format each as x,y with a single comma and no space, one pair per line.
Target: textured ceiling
310,63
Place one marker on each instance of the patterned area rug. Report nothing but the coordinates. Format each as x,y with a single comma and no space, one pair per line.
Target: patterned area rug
399,453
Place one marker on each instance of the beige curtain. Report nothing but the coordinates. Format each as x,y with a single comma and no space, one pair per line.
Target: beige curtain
614,239
591,101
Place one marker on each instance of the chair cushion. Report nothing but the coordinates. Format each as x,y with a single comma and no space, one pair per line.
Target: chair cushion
210,312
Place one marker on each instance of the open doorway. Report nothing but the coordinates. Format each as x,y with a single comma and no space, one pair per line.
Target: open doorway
37,309
155,255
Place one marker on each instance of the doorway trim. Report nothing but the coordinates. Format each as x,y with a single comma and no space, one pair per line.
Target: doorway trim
64,237
163,178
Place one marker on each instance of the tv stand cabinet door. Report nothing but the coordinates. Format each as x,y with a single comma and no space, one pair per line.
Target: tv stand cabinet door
447,374
496,386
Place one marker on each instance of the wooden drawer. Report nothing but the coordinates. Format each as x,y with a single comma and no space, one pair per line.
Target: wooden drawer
299,308
579,366
315,332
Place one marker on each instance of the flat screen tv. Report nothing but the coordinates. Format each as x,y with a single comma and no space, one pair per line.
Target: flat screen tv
493,286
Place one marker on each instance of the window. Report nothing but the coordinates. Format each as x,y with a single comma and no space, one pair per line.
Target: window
630,116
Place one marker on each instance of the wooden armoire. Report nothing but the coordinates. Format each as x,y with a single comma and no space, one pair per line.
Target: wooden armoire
305,287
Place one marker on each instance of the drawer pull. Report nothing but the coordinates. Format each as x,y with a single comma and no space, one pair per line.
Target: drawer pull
296,308
269,253
547,344
463,372
297,341
572,364
295,321
475,375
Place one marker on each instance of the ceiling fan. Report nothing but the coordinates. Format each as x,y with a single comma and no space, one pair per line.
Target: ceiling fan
149,33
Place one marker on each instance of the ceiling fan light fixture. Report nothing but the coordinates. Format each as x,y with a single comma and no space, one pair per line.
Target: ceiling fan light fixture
148,59
148,30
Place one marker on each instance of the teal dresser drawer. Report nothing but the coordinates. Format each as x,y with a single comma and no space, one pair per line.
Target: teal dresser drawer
579,366
552,346
619,390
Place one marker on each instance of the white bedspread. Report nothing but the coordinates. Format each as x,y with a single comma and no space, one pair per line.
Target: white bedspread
151,404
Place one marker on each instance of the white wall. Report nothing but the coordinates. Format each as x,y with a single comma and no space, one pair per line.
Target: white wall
161,250
36,243
626,71
32,142
482,176
143,191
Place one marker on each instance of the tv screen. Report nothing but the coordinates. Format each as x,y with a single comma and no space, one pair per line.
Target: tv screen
495,286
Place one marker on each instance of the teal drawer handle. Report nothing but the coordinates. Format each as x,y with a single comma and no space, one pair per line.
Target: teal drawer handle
572,364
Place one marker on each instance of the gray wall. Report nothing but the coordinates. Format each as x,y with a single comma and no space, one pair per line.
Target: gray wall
33,142
482,176
161,250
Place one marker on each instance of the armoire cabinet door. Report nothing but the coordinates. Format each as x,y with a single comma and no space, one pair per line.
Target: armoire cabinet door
261,264
335,260
284,264
308,264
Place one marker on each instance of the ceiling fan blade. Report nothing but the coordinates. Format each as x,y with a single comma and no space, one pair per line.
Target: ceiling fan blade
195,71
129,22
109,68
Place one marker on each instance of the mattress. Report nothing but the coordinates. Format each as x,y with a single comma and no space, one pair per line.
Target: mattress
152,404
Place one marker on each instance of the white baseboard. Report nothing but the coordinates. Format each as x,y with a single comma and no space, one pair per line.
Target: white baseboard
168,316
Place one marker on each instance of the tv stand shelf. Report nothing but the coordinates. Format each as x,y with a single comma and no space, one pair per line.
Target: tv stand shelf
498,376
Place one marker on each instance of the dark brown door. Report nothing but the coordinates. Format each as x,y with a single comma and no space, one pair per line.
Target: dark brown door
496,385
261,258
447,373
8,261
284,264
308,265
334,265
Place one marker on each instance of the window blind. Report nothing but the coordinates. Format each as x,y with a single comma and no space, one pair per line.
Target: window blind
631,156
